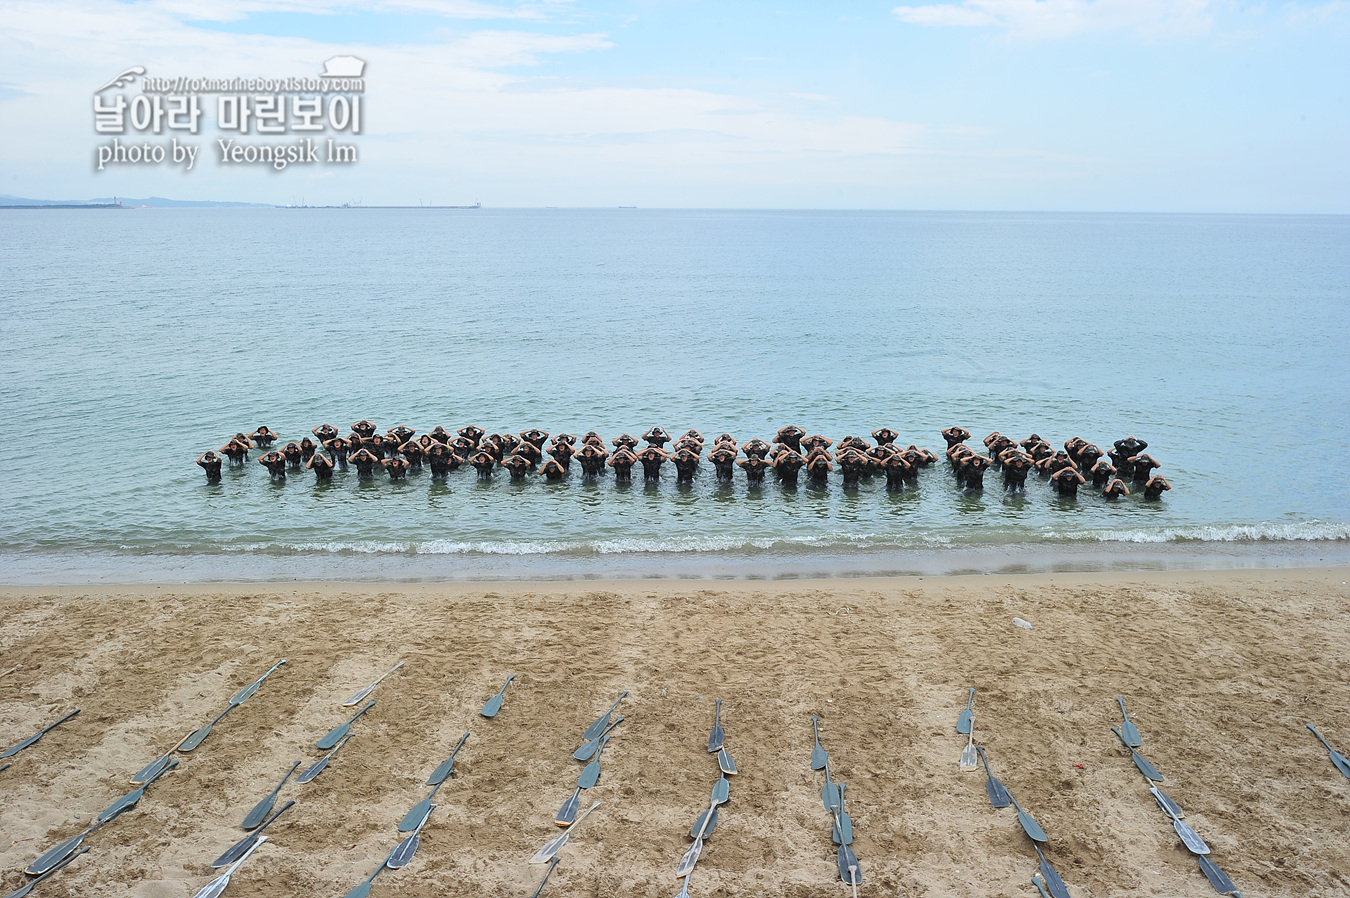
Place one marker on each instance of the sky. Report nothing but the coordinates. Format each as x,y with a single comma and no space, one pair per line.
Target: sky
1097,105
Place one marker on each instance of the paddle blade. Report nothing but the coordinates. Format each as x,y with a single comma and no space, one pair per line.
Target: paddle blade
1342,763
54,856
722,790
590,776
842,830
446,767
1031,827
151,770
235,851
699,824
594,730
15,749
829,795
1053,883
1131,734
690,859
361,891
259,812
568,812
1146,767
312,770
963,721
1169,807
970,760
587,750
551,847
416,814
121,805
493,705
725,762
334,736
1217,878
850,871
716,738
197,738
213,888
818,757
997,792
403,854
1190,838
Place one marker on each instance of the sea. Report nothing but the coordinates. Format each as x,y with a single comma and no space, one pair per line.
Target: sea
134,340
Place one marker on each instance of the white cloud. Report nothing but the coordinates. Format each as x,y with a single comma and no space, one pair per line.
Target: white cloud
1047,19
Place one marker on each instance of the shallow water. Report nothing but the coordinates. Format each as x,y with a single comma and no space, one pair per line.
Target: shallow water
135,340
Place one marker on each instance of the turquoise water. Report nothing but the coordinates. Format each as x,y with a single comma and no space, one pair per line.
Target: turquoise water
135,340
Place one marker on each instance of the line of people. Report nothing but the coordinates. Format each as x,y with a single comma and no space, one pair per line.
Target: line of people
790,454
1066,469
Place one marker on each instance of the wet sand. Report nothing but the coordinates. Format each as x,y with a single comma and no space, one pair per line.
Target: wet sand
1220,670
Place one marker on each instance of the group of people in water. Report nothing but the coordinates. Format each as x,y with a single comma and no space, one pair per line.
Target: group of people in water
790,454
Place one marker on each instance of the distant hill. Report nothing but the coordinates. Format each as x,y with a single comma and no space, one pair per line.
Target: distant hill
156,201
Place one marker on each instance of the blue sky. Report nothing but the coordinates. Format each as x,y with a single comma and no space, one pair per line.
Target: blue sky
1131,105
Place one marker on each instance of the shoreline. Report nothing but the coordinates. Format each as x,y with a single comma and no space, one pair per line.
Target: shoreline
36,568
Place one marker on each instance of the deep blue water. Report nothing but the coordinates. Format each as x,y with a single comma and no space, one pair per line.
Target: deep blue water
135,340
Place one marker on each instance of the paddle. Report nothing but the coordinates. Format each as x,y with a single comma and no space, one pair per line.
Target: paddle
722,790
843,824
968,760
1130,732
818,755
850,871
494,704
157,766
1189,837
589,746
1169,806
997,792
240,848
363,890
403,852
63,850
129,801
15,749
1217,878
360,694
1029,826
690,858
419,811
591,774
446,767
829,793
602,722
264,807
725,763
318,766
963,719
568,812
217,885
554,845
703,823
1055,885
1342,763
27,887
718,736
247,692
337,732
551,864
1145,766
197,736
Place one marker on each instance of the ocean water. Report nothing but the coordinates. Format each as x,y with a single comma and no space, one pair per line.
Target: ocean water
135,340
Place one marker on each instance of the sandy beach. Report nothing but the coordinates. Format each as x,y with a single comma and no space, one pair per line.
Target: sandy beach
1220,671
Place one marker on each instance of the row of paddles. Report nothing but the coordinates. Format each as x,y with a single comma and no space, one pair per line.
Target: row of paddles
721,793
593,743
832,797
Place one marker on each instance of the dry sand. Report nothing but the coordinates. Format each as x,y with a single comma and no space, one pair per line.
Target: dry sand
1219,670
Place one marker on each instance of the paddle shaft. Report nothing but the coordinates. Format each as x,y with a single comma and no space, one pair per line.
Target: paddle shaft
11,752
